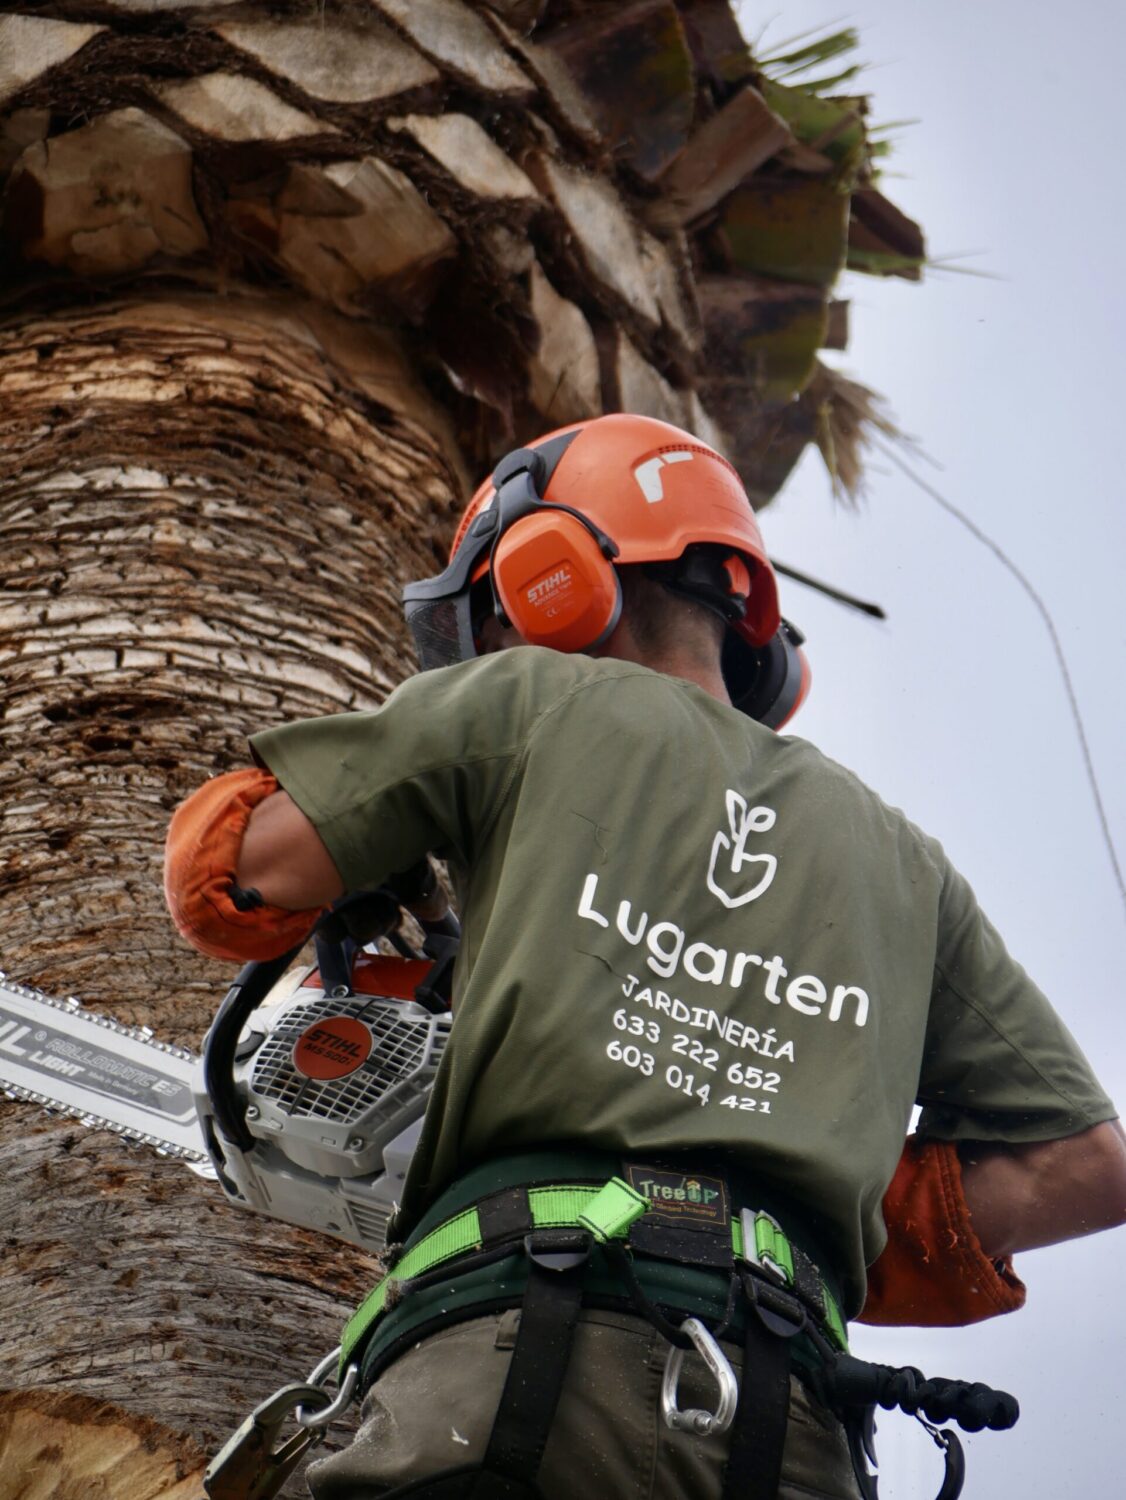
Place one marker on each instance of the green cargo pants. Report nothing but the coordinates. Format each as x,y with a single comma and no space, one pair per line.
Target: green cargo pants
434,1408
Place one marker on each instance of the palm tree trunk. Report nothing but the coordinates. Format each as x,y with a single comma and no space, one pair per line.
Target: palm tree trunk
207,517
210,540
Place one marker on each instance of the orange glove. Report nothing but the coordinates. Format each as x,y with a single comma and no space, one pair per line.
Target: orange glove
200,859
933,1272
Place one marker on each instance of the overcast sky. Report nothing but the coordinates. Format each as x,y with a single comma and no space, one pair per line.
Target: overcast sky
955,709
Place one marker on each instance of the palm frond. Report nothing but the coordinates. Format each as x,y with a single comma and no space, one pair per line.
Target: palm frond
847,417
947,263
835,80
813,54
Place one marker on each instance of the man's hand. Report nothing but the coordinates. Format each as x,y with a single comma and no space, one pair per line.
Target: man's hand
1022,1197
283,859
933,1272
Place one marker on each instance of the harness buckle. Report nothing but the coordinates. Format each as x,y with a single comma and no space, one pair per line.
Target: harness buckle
766,1245
777,1308
703,1423
558,1249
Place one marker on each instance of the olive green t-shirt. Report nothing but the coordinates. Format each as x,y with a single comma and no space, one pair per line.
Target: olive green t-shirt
681,930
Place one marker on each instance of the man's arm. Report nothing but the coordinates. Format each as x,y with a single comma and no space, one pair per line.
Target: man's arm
283,858
955,1216
1023,1197
246,874
213,908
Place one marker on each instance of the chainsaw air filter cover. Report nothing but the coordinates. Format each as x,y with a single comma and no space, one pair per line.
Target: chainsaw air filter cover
334,1080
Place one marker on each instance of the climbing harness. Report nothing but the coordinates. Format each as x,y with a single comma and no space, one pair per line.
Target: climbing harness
494,1227
552,1248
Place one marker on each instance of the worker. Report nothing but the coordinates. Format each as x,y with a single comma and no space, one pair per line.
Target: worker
705,976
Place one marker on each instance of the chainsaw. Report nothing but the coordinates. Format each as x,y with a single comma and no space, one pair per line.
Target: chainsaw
308,1098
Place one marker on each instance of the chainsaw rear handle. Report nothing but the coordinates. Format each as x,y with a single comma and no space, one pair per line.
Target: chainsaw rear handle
252,984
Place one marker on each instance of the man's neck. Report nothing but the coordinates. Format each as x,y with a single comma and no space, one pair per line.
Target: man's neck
683,664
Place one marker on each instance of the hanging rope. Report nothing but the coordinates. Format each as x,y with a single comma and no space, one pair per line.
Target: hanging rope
1057,646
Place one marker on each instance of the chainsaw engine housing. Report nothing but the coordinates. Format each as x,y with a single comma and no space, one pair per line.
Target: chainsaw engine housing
334,1089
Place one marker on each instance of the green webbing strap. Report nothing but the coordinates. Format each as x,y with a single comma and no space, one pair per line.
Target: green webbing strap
773,1247
613,1210
607,1213
835,1321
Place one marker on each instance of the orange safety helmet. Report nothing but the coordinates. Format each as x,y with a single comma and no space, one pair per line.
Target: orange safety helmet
548,527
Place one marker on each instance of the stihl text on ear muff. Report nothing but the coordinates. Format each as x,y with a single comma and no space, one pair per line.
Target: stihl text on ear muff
551,569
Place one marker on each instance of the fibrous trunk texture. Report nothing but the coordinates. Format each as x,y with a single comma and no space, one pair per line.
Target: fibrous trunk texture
206,522
207,509
574,207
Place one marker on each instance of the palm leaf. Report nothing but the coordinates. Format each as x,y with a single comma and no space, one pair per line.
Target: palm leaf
813,54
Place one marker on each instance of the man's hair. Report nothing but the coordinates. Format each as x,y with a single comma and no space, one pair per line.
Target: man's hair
663,622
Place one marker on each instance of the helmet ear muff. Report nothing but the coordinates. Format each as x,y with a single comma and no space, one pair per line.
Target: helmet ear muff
768,683
553,581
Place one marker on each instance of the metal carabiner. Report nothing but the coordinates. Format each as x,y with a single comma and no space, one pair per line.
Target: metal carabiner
705,1423
249,1466
312,1421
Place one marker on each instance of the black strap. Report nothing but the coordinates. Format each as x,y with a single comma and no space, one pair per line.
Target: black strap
687,1245
504,1216
807,1281
754,1462
535,1378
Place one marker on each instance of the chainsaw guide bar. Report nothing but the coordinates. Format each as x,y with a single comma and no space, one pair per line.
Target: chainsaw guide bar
107,1075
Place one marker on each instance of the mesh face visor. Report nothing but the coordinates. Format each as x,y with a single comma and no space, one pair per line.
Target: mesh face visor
438,610
442,631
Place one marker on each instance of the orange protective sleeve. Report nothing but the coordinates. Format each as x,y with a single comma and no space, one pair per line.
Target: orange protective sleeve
200,860
933,1272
